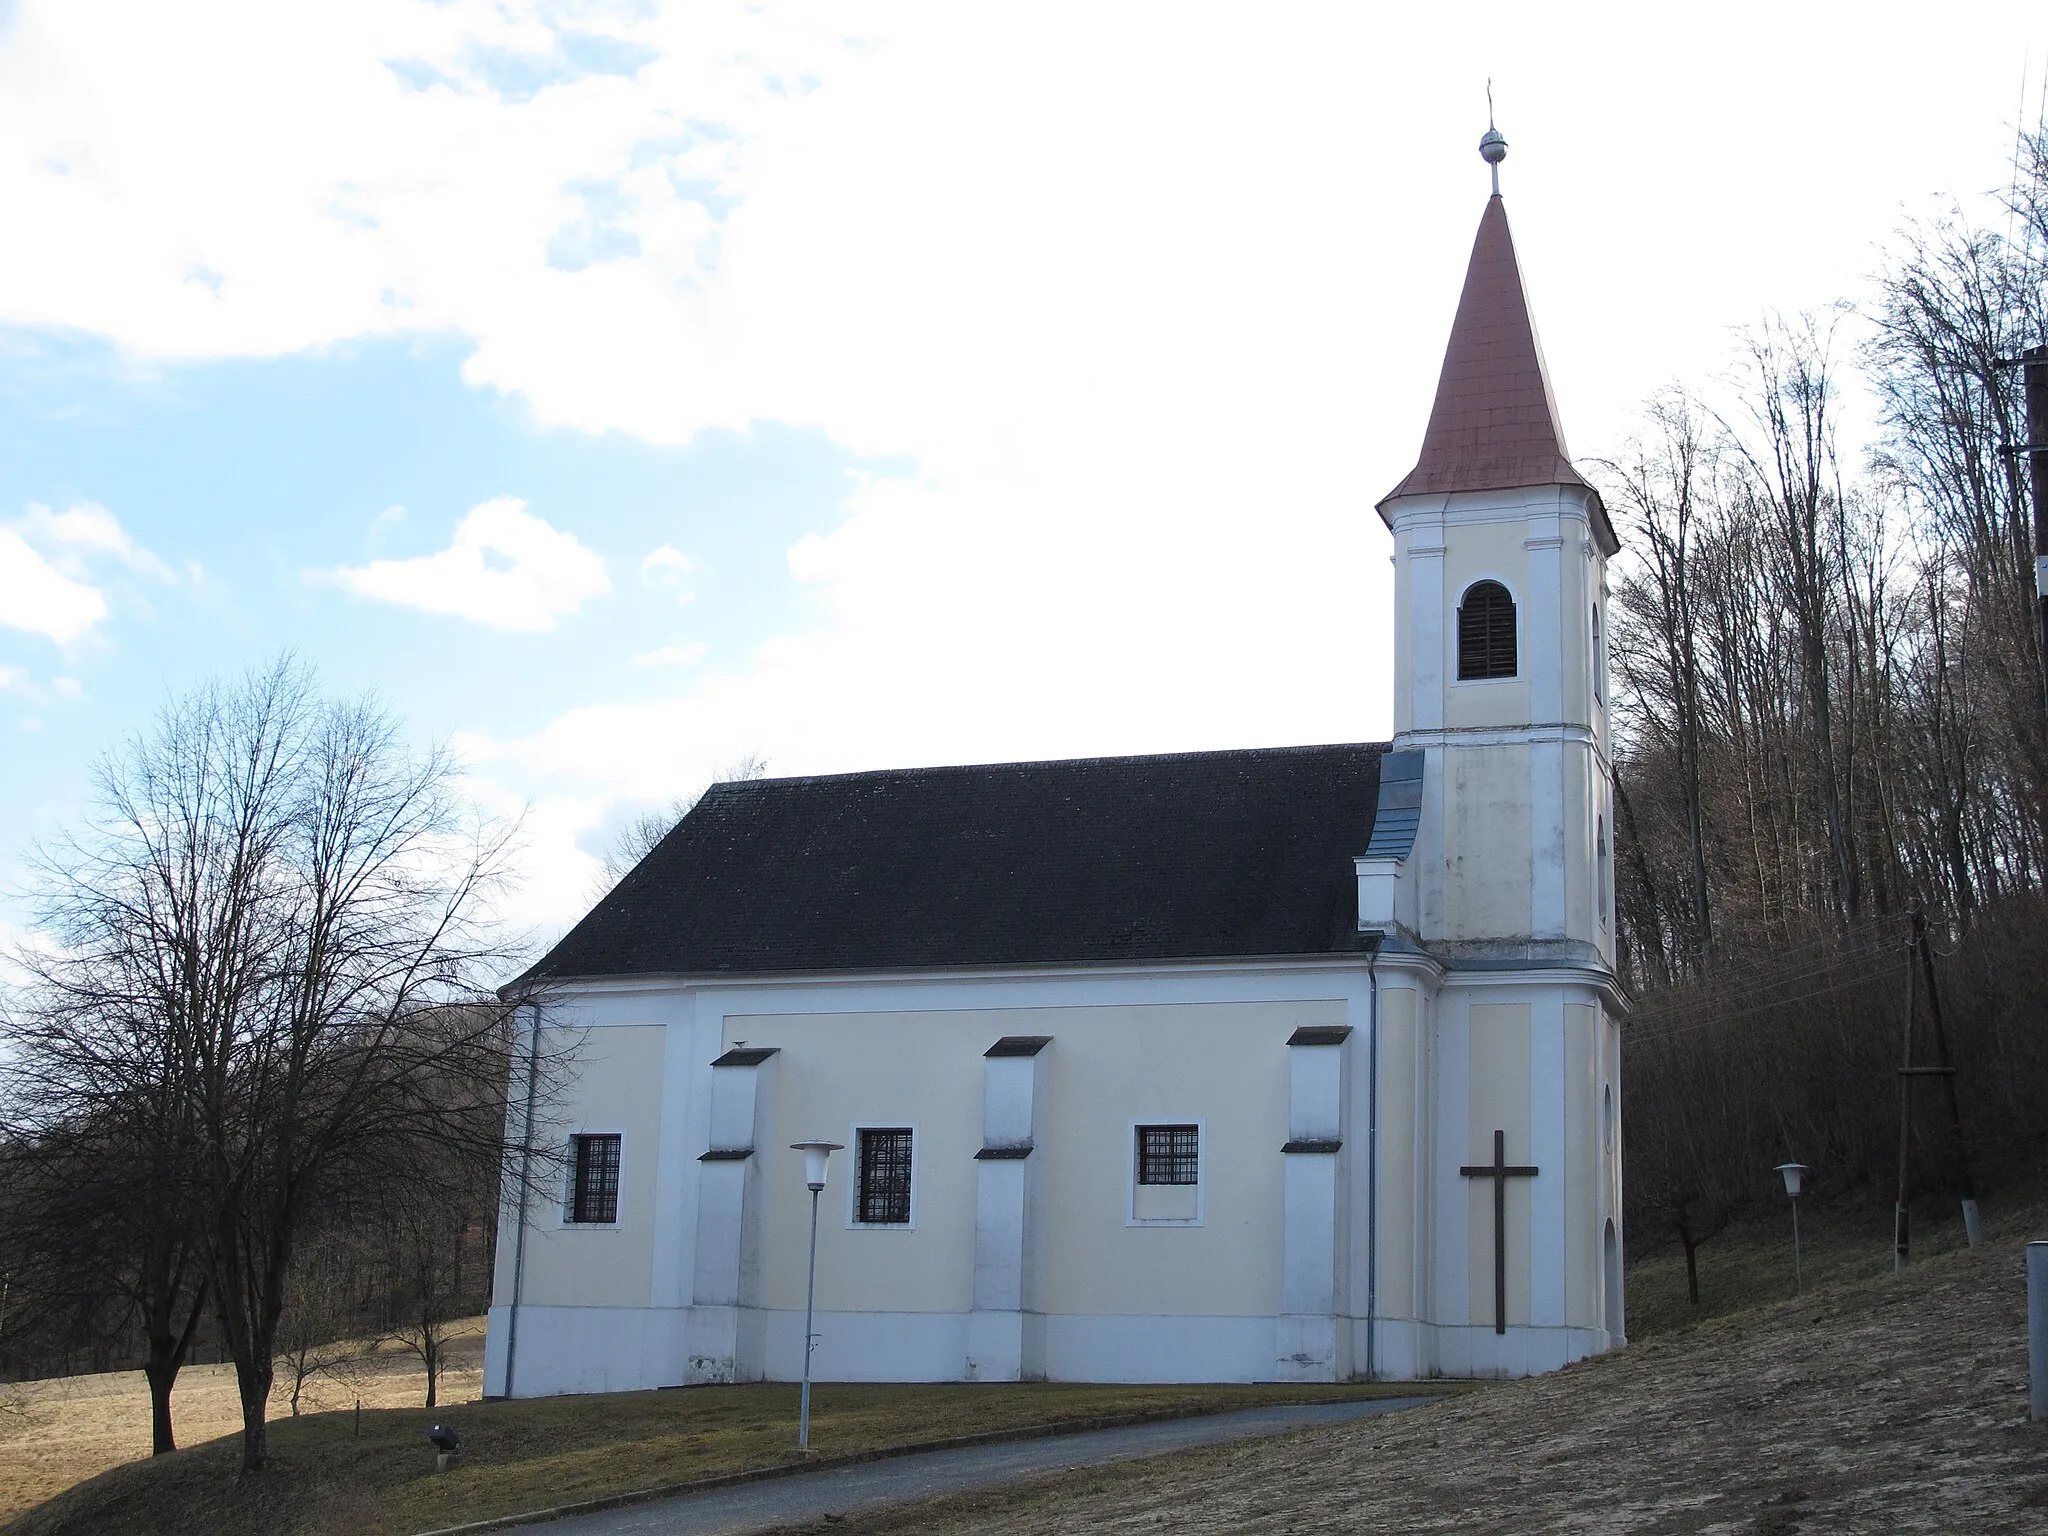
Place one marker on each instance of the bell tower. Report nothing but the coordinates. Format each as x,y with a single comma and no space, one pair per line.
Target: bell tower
1501,551
1488,876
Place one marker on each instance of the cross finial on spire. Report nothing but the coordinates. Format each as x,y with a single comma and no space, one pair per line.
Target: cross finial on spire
1493,148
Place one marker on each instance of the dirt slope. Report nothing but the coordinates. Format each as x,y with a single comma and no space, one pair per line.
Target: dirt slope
1898,1405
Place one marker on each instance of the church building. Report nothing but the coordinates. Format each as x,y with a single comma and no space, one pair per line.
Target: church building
1288,1064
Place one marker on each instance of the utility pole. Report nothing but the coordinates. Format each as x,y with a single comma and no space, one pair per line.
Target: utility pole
1920,967
2034,373
1946,1070
1902,1246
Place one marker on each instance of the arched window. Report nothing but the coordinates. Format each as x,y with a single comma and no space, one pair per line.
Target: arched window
1599,660
1600,862
1486,632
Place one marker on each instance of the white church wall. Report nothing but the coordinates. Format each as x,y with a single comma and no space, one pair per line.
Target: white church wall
1421,619
1585,1202
1549,1150
1207,1044
834,1076
1224,1065
1400,1072
1485,875
614,1086
578,1348
1484,542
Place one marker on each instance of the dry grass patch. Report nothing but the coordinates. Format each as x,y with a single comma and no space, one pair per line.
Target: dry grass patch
61,1431
526,1455
1883,1405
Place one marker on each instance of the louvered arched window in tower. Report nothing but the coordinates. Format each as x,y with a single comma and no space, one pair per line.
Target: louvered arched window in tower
1486,632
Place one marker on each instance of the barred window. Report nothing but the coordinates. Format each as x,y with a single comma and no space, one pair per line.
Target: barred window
594,1179
1486,632
1169,1154
882,1196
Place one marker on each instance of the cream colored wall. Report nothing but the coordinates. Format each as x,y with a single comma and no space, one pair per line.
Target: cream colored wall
613,1083
1401,1192
1477,552
1583,1202
917,1069
1486,842
1223,1064
1499,1099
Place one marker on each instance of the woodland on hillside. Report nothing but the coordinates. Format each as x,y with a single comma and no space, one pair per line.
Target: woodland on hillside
1830,714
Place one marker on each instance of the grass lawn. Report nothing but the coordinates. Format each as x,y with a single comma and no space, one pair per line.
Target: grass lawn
526,1455
1750,1263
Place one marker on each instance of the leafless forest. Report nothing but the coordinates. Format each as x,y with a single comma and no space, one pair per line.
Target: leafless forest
1831,713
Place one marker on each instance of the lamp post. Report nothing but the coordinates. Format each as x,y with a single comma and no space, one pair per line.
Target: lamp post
816,1155
1794,1175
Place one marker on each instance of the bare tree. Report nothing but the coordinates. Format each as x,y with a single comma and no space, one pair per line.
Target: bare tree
1795,484
1661,489
638,837
318,1331
435,1228
284,913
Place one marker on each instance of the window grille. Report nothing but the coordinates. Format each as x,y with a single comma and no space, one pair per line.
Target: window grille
1169,1154
883,1197
594,1187
1486,633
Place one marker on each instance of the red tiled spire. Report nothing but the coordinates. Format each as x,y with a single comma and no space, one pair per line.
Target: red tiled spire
1494,425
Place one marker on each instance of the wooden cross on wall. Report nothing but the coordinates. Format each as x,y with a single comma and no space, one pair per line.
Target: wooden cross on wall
1500,1171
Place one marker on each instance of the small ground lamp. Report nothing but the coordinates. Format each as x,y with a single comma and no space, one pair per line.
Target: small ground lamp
816,1155
442,1438
1794,1175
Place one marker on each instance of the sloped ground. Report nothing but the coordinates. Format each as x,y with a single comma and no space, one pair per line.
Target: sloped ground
59,1432
1893,1405
326,1480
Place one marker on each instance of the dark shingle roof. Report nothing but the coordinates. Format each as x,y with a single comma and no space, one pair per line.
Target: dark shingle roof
1119,859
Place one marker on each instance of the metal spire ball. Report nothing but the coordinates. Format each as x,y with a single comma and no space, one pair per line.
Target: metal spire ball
1493,148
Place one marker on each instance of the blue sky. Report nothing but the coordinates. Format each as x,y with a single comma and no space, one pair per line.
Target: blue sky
620,389
249,481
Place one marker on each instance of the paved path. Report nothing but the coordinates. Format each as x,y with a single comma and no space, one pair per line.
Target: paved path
900,1480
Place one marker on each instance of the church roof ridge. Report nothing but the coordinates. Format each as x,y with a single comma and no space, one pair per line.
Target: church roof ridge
1107,759
1494,423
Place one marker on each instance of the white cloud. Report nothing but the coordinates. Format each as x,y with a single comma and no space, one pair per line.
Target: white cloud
86,530
688,654
47,559
37,597
1153,319
669,570
504,567
384,522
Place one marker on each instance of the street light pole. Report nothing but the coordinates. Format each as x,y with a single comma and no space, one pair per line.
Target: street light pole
817,1154
803,1424
1794,1175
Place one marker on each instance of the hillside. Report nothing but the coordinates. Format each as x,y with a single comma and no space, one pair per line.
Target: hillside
1886,1405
